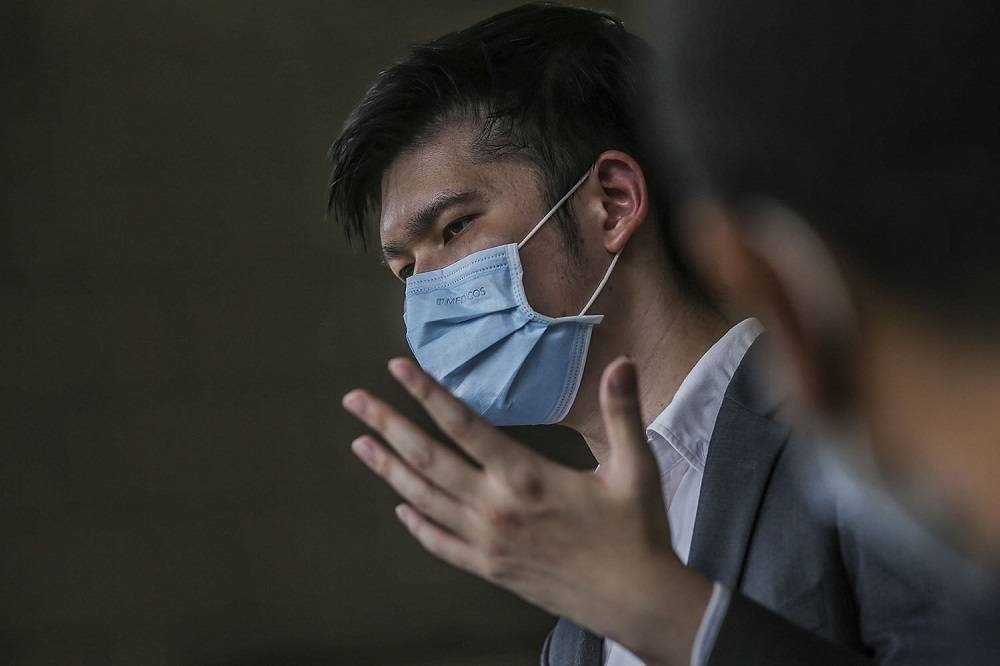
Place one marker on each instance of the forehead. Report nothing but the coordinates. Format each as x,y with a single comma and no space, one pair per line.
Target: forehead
445,163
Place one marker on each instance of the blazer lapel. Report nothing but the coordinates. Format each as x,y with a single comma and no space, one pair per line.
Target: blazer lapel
745,444
744,447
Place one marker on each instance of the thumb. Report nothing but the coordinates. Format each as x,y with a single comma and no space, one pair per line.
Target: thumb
631,462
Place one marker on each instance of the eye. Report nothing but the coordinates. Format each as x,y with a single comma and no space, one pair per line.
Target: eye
458,226
406,271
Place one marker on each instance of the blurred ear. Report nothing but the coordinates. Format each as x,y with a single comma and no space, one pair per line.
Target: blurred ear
769,264
620,191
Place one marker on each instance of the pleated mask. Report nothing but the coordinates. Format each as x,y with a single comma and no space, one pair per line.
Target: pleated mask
470,326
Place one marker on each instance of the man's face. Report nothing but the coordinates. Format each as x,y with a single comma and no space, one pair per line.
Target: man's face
896,389
928,395
439,204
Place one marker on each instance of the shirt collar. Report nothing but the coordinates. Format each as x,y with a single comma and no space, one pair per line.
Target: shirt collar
684,428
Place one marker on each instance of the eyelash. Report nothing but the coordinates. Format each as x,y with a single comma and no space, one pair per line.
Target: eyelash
407,270
464,221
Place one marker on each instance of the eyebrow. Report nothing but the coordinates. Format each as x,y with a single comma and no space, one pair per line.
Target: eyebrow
421,221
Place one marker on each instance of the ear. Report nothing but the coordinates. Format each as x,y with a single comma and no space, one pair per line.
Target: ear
770,264
622,197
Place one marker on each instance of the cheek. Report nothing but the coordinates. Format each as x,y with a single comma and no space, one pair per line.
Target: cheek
915,445
549,280
895,427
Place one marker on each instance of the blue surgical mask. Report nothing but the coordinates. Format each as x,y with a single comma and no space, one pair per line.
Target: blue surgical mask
471,328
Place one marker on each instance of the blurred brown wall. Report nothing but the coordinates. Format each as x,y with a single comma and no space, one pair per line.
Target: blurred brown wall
179,323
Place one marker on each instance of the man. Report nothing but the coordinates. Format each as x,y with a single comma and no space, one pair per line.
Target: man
880,182
846,162
505,166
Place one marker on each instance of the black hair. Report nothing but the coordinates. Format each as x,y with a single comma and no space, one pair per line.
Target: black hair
548,84
877,122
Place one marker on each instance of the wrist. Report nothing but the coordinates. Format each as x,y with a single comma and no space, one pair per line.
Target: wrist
670,603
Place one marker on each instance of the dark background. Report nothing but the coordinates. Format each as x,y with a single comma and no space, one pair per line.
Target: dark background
179,324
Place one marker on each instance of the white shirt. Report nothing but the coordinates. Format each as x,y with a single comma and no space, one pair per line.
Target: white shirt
679,438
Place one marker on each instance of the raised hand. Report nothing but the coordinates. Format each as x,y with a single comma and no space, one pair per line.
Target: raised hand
591,546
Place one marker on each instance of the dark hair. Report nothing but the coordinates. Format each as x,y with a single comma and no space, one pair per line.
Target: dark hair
878,122
552,85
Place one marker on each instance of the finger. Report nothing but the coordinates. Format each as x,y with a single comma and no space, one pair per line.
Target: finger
439,542
415,489
619,399
443,467
482,441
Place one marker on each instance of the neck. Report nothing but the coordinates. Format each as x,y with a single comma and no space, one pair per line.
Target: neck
664,334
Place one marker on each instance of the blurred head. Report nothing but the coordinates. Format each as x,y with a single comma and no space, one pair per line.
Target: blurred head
842,164
468,141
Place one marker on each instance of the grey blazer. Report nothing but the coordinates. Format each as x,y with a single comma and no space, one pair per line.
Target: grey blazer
808,589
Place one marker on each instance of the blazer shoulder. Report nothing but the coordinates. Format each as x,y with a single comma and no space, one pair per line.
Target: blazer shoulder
756,385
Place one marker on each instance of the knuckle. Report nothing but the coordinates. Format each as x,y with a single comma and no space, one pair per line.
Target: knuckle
376,416
527,483
495,551
419,530
503,518
379,464
497,566
421,497
421,455
424,389
422,533
460,423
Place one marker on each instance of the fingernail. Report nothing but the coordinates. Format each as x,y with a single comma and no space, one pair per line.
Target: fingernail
401,369
401,513
363,449
354,402
623,379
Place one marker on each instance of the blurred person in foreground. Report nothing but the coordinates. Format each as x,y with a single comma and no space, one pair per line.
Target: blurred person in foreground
842,162
505,167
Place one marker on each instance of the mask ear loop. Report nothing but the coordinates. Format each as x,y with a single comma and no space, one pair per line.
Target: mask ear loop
600,287
553,210
548,215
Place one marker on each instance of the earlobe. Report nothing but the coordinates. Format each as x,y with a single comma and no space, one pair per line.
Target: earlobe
623,197
776,270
